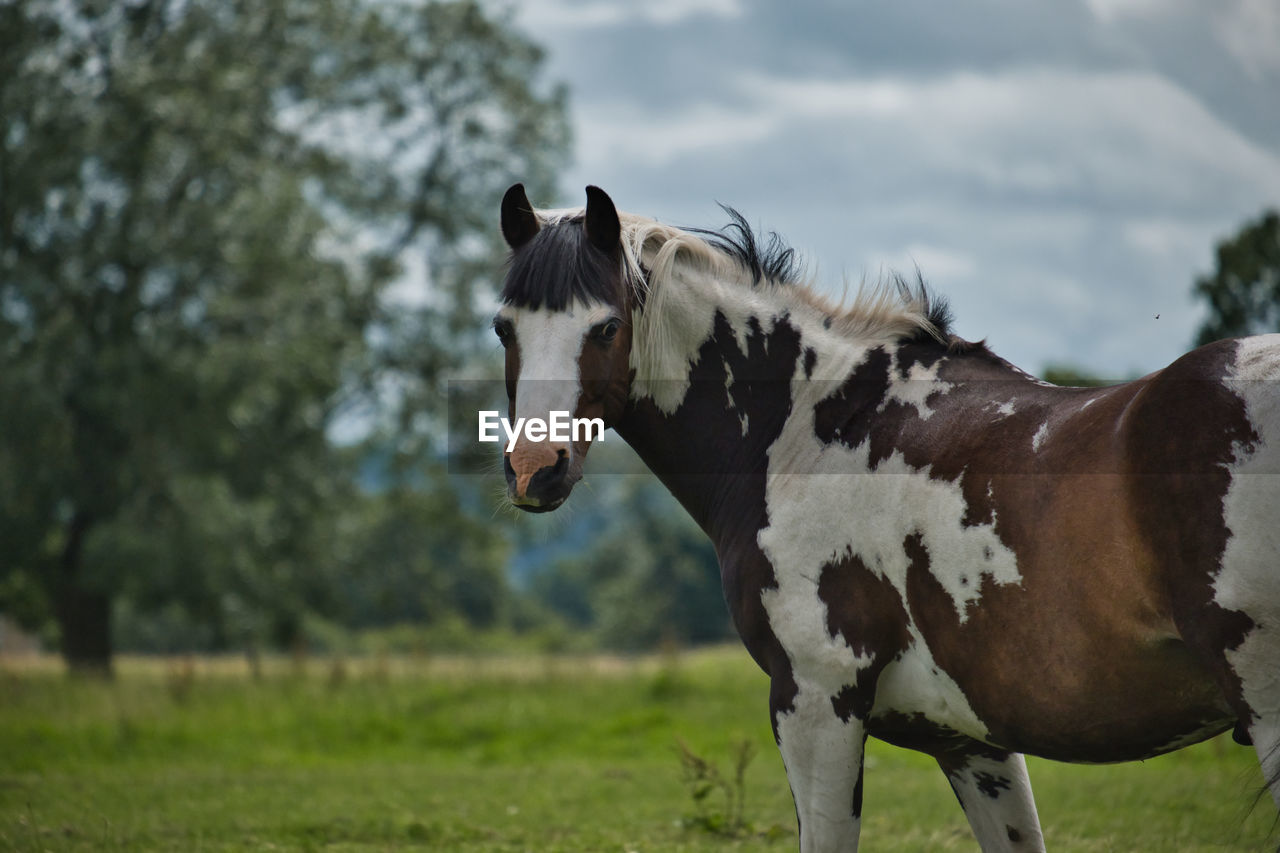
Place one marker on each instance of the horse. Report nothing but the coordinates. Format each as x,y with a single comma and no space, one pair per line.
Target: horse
917,540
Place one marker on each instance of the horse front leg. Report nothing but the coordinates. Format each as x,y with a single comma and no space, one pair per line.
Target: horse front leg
995,792
822,753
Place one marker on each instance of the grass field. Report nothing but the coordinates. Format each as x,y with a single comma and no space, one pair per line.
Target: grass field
510,754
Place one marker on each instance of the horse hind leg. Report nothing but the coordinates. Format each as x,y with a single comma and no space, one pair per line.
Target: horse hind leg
995,792
1253,669
1265,734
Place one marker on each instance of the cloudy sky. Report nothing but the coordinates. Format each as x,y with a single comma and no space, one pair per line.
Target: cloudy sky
1060,171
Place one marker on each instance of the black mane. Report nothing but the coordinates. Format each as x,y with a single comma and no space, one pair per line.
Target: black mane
773,261
936,309
558,266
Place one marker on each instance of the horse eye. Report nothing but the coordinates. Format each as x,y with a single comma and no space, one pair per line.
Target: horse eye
502,328
608,331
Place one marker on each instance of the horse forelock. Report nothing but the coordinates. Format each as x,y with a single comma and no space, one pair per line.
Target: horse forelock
560,266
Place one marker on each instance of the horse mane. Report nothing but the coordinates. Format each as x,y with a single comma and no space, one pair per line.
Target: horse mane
893,308
771,259
560,266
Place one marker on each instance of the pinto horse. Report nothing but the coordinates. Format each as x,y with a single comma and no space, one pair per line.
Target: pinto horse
917,540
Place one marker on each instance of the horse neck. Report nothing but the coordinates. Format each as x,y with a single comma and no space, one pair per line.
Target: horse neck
714,362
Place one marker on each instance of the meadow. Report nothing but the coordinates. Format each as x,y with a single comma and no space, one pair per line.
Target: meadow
510,753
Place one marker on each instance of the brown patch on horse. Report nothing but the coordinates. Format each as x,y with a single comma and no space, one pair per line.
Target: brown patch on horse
605,376
915,731
866,610
1191,427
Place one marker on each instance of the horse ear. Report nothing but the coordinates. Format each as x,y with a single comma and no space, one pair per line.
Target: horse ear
603,228
519,222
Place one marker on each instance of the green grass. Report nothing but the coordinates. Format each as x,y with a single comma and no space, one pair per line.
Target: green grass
510,754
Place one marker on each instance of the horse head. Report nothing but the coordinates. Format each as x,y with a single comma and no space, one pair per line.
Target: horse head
566,326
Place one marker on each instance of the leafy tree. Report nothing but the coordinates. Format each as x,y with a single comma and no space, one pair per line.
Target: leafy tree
403,565
1243,292
202,205
651,576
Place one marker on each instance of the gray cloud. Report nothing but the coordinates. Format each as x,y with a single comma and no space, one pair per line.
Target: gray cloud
1061,174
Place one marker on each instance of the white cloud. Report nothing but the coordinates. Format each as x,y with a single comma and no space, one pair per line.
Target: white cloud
1248,29
1123,135
1251,32
1042,131
1109,11
1060,210
630,135
1161,237
942,265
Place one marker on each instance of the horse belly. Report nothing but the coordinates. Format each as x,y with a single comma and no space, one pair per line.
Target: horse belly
1137,703
1154,698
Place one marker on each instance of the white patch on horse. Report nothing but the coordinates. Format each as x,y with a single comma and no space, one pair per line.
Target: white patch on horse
826,501
915,684
695,304
1043,383
549,380
921,384
1039,437
1002,410
1248,580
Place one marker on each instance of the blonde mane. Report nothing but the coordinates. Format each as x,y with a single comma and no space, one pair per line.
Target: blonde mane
663,265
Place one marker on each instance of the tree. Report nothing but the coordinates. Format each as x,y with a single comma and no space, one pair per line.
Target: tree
410,556
647,576
1243,292
202,205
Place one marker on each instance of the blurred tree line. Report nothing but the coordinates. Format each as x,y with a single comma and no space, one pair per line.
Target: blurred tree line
212,214
222,395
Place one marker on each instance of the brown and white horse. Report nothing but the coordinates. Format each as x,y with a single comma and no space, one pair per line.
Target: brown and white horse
917,540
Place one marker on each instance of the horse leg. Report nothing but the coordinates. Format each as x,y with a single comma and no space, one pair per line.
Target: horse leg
995,792
822,753
1265,735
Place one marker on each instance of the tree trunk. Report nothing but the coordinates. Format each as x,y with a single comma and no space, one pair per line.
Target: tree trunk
84,615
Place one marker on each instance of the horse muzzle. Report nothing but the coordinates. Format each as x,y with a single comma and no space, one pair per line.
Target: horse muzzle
540,481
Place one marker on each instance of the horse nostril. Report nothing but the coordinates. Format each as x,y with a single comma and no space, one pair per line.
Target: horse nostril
549,478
